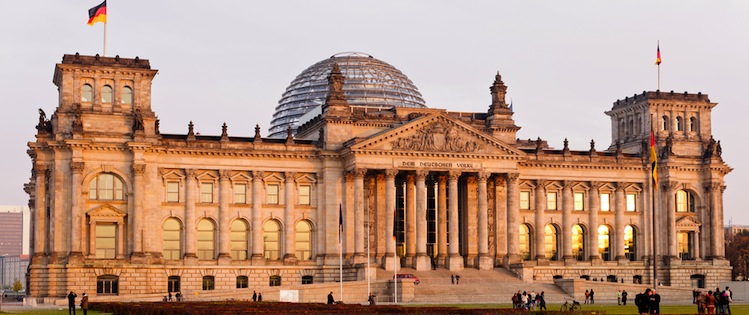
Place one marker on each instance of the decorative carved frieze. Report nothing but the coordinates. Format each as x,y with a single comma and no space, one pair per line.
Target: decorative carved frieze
437,136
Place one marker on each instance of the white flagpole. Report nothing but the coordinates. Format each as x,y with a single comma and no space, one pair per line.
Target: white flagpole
369,288
395,266
104,54
340,248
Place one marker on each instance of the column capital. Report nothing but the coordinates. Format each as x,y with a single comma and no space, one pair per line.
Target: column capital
289,176
671,185
442,179
483,176
713,187
421,175
621,186
191,173
567,184
77,167
541,184
348,175
454,175
391,173
359,172
40,169
257,174
224,174
595,185
320,177
138,169
512,177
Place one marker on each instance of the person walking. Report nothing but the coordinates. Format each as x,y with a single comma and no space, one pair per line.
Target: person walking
169,297
710,302
587,296
624,297
254,296
331,300
71,302
84,304
457,279
729,299
541,301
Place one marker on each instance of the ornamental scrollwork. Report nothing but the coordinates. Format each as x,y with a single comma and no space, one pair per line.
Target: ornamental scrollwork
437,137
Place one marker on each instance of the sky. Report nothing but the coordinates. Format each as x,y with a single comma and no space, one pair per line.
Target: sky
564,62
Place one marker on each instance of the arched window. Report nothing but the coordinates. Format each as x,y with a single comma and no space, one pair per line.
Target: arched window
525,242
272,240
209,283
684,201
303,241
275,281
630,243
664,123
242,282
239,235
127,95
692,124
679,123
106,186
578,242
205,240
622,128
107,284
87,93
173,284
106,240
106,94
172,240
604,242
550,242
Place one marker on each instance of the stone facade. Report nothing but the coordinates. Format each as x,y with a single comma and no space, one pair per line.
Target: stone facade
119,208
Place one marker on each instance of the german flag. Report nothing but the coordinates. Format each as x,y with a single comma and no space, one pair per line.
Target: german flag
98,14
658,57
654,160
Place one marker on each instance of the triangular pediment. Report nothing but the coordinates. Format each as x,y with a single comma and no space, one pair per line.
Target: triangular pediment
436,133
106,211
688,223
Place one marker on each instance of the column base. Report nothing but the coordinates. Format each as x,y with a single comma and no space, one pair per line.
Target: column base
289,259
75,257
224,258
512,259
484,262
408,261
333,260
455,263
391,263
422,262
190,259
442,260
39,259
138,258
258,260
360,258
595,260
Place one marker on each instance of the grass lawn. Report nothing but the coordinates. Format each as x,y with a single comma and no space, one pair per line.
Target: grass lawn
51,312
609,309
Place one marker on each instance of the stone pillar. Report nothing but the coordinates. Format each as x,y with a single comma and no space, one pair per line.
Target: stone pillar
139,191
92,244
359,231
410,220
59,217
390,262
671,188
513,217
441,220
422,261
224,195
40,208
620,202
716,225
320,222
120,240
190,224
484,262
500,218
568,203
540,235
289,235
455,261
257,219
696,242
77,214
594,202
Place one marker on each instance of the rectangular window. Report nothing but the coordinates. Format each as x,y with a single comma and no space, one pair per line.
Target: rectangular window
240,193
172,192
605,205
525,200
271,194
106,240
579,201
631,202
551,201
206,192
209,283
304,194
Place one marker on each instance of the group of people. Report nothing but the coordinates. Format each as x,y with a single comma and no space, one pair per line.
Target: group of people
621,297
527,301
590,297
713,302
177,296
71,303
648,302
455,279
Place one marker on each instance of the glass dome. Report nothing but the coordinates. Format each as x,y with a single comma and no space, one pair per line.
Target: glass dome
369,82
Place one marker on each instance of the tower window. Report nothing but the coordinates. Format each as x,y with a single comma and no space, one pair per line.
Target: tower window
106,94
87,93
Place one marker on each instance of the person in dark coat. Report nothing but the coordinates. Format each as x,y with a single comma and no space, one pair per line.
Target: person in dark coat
254,296
84,303
624,297
654,303
331,300
592,300
259,297
71,302
641,301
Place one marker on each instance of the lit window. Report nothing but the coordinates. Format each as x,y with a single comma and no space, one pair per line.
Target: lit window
87,93
107,284
272,240
630,247
578,242
271,196
579,201
525,200
242,282
684,201
686,245
239,240
631,202
172,240
172,191
240,193
550,242
209,283
551,201
604,242
106,240
205,240
605,202
275,281
106,94
303,241
304,194
206,192
106,187
525,242
127,95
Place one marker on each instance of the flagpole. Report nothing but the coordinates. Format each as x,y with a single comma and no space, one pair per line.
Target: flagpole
395,265
340,248
659,68
653,191
369,289
104,54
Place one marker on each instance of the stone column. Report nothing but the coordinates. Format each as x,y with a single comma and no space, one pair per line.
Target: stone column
455,261
77,214
224,195
120,240
671,188
500,218
513,217
190,224
594,202
540,236
92,244
359,231
620,202
484,262
716,225
568,203
422,261
390,262
59,219
320,222
139,191
410,220
289,235
696,242
257,219
441,220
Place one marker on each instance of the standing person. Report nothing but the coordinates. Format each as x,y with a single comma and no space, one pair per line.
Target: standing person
619,297
710,302
654,303
587,296
259,297
592,299
371,299
700,301
624,297
541,301
457,279
641,301
452,279
71,302
169,296
84,303
729,299
254,296
524,301
331,300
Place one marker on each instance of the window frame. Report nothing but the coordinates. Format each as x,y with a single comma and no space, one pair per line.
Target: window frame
272,193
240,193
116,188
272,254
107,285
206,192
177,241
203,253
298,233
172,192
239,239
605,201
126,95
274,281
305,198
580,202
106,252
209,283
524,202
87,92
243,282
107,92
552,204
631,202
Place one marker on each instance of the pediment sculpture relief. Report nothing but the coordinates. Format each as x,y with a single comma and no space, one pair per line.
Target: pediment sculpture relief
437,136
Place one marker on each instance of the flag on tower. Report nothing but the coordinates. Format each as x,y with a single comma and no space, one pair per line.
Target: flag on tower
98,14
653,160
658,57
